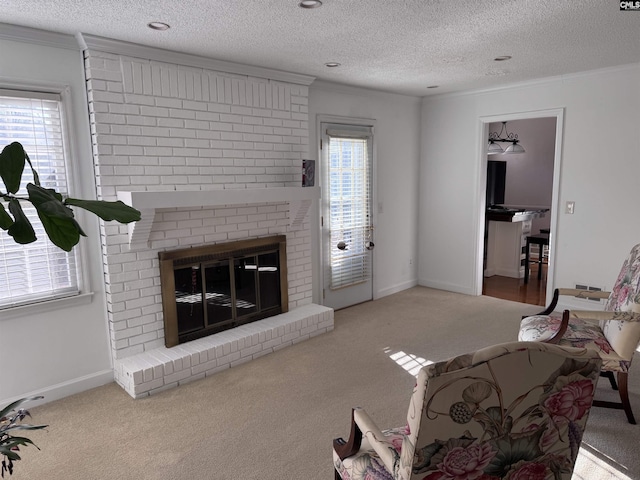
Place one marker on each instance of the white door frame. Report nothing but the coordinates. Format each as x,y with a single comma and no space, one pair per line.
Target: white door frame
320,119
483,135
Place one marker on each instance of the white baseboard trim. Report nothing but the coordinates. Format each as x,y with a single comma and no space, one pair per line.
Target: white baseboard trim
449,287
395,288
64,389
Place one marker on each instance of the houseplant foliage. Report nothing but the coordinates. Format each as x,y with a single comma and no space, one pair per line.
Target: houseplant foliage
11,421
53,210
64,231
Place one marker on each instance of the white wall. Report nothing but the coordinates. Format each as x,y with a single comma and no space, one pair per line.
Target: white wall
396,137
599,171
57,351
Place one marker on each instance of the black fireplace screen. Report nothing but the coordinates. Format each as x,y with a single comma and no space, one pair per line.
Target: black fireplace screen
205,292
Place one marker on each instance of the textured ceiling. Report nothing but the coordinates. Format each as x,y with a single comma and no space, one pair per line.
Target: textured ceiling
400,46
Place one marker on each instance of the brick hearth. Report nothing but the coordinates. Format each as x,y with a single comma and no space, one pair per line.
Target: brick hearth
163,368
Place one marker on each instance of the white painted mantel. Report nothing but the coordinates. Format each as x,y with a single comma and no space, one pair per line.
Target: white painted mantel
147,202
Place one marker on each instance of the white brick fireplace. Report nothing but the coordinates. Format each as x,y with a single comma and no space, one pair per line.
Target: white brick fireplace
208,156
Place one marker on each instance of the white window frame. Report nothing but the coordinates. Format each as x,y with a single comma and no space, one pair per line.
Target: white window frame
81,294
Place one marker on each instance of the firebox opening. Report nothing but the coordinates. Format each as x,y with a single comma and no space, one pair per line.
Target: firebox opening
208,289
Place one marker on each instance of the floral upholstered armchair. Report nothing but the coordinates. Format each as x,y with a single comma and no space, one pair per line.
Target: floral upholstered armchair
614,333
512,411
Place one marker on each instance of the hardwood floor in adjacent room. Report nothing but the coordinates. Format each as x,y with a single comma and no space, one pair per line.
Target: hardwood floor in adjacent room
514,289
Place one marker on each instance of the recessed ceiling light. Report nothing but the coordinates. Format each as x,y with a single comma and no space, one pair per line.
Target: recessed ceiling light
332,64
502,58
310,4
158,26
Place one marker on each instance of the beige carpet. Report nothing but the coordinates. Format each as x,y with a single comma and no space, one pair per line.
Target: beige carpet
275,417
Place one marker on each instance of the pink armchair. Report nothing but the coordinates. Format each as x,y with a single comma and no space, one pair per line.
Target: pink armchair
515,410
614,333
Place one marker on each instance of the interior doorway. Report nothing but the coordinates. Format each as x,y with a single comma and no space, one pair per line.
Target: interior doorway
527,193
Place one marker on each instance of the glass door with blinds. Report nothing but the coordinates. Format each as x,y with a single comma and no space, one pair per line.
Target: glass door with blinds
347,219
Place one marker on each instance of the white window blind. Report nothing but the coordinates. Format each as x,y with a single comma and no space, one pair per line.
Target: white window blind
349,171
39,270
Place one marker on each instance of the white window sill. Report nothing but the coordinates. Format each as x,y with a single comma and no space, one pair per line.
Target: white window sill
46,306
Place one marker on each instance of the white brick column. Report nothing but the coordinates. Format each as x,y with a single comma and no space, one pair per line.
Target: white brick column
160,126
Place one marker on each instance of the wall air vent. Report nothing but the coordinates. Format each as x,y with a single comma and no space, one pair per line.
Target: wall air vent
590,289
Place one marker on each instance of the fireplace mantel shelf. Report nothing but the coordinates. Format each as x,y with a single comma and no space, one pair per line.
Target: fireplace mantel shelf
299,199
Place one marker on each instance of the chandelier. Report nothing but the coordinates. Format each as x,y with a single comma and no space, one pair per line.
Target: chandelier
504,136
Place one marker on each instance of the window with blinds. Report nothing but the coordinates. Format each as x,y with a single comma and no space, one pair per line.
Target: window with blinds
349,177
39,270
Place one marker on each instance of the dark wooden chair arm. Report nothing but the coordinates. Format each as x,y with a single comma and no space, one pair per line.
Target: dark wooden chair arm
551,307
554,302
351,446
561,331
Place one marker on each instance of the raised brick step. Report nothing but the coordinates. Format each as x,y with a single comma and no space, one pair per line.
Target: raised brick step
157,370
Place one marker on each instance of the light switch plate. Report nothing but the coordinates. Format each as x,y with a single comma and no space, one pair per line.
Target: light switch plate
570,208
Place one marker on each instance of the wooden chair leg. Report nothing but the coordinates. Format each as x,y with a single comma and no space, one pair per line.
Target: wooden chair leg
624,396
612,379
624,403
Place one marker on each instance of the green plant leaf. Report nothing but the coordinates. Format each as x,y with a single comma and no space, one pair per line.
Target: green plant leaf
62,231
36,178
107,210
21,230
10,447
9,453
57,219
25,426
12,406
48,201
12,161
5,219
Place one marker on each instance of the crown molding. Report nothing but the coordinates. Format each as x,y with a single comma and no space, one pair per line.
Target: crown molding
629,67
36,36
362,91
118,47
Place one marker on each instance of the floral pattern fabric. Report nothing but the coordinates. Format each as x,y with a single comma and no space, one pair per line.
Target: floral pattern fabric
539,328
626,291
579,334
615,340
514,411
624,334
366,464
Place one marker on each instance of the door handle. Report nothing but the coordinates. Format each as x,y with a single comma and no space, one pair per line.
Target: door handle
342,246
